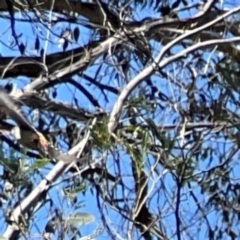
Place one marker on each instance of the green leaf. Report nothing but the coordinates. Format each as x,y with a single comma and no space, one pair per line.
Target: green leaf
79,219
3,238
39,163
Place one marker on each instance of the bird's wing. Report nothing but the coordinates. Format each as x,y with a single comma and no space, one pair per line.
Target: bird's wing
8,106
28,132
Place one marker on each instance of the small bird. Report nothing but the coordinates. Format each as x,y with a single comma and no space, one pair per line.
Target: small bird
25,133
